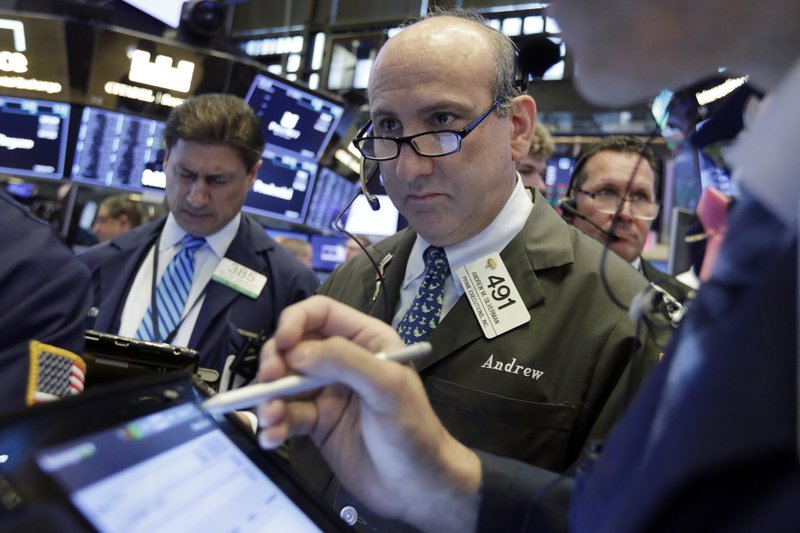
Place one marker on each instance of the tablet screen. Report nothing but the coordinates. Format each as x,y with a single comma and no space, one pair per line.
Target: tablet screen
173,470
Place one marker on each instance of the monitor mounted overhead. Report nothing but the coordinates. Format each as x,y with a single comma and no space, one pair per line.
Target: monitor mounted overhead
119,150
282,188
331,194
166,11
33,137
295,119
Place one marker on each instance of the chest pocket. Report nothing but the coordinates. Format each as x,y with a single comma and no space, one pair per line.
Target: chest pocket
537,433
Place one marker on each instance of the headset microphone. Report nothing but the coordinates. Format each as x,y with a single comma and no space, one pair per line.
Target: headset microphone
568,206
372,200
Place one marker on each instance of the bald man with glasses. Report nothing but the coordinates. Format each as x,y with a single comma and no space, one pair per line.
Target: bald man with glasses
531,359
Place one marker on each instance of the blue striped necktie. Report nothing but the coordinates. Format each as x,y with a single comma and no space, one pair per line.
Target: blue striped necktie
172,292
423,315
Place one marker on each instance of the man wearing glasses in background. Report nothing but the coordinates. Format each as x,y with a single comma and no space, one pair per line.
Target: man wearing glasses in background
600,179
531,359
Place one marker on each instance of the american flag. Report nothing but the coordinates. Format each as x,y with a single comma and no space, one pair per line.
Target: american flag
54,373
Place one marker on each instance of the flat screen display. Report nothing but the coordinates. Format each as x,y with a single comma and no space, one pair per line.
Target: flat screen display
33,57
294,119
150,76
557,175
327,252
174,470
362,220
167,11
331,194
33,137
119,150
283,187
281,234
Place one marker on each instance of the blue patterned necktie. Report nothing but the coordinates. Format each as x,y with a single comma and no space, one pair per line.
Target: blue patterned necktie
423,315
172,292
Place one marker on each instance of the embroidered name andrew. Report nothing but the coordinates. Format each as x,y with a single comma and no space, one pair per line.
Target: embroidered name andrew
512,368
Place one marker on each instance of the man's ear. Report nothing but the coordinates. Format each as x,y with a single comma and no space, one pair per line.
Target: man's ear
523,118
251,176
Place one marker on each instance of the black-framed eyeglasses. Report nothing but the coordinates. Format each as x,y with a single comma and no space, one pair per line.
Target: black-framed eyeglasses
607,201
426,144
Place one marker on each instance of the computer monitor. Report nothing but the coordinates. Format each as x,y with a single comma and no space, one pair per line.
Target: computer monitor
295,119
167,11
362,220
119,150
331,194
282,234
557,175
148,75
282,188
33,137
147,459
679,259
327,252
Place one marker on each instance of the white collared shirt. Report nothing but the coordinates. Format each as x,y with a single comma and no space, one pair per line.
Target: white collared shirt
493,238
206,260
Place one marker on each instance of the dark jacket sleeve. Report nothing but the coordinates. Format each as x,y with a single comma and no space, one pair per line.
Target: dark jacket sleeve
517,497
44,296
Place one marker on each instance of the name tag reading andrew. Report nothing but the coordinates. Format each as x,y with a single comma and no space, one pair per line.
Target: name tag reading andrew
494,298
239,278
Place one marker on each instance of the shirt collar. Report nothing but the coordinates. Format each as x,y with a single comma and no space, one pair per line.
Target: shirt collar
493,238
219,242
637,264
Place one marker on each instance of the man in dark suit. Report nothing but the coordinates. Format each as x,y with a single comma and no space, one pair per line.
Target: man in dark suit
44,297
711,441
238,279
599,180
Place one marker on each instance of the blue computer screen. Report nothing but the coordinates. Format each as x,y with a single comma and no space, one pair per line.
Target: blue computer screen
282,187
294,119
119,150
328,252
33,137
331,194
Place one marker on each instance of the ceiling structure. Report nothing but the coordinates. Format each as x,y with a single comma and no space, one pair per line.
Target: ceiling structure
329,44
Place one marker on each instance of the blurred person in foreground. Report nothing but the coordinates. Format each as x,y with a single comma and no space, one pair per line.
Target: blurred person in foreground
710,443
45,298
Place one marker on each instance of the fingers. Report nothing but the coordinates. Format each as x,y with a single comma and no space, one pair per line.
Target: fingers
272,365
378,382
281,420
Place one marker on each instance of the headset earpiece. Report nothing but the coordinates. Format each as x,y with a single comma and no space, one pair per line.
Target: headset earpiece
576,170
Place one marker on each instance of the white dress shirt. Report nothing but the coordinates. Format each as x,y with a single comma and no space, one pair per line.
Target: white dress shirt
206,259
493,238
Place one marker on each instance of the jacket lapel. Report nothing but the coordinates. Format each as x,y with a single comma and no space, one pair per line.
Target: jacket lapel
399,246
245,250
544,242
117,274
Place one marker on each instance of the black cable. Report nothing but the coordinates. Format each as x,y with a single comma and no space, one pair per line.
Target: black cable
615,221
337,224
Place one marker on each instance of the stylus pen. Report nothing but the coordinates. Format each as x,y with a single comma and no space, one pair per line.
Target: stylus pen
255,394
